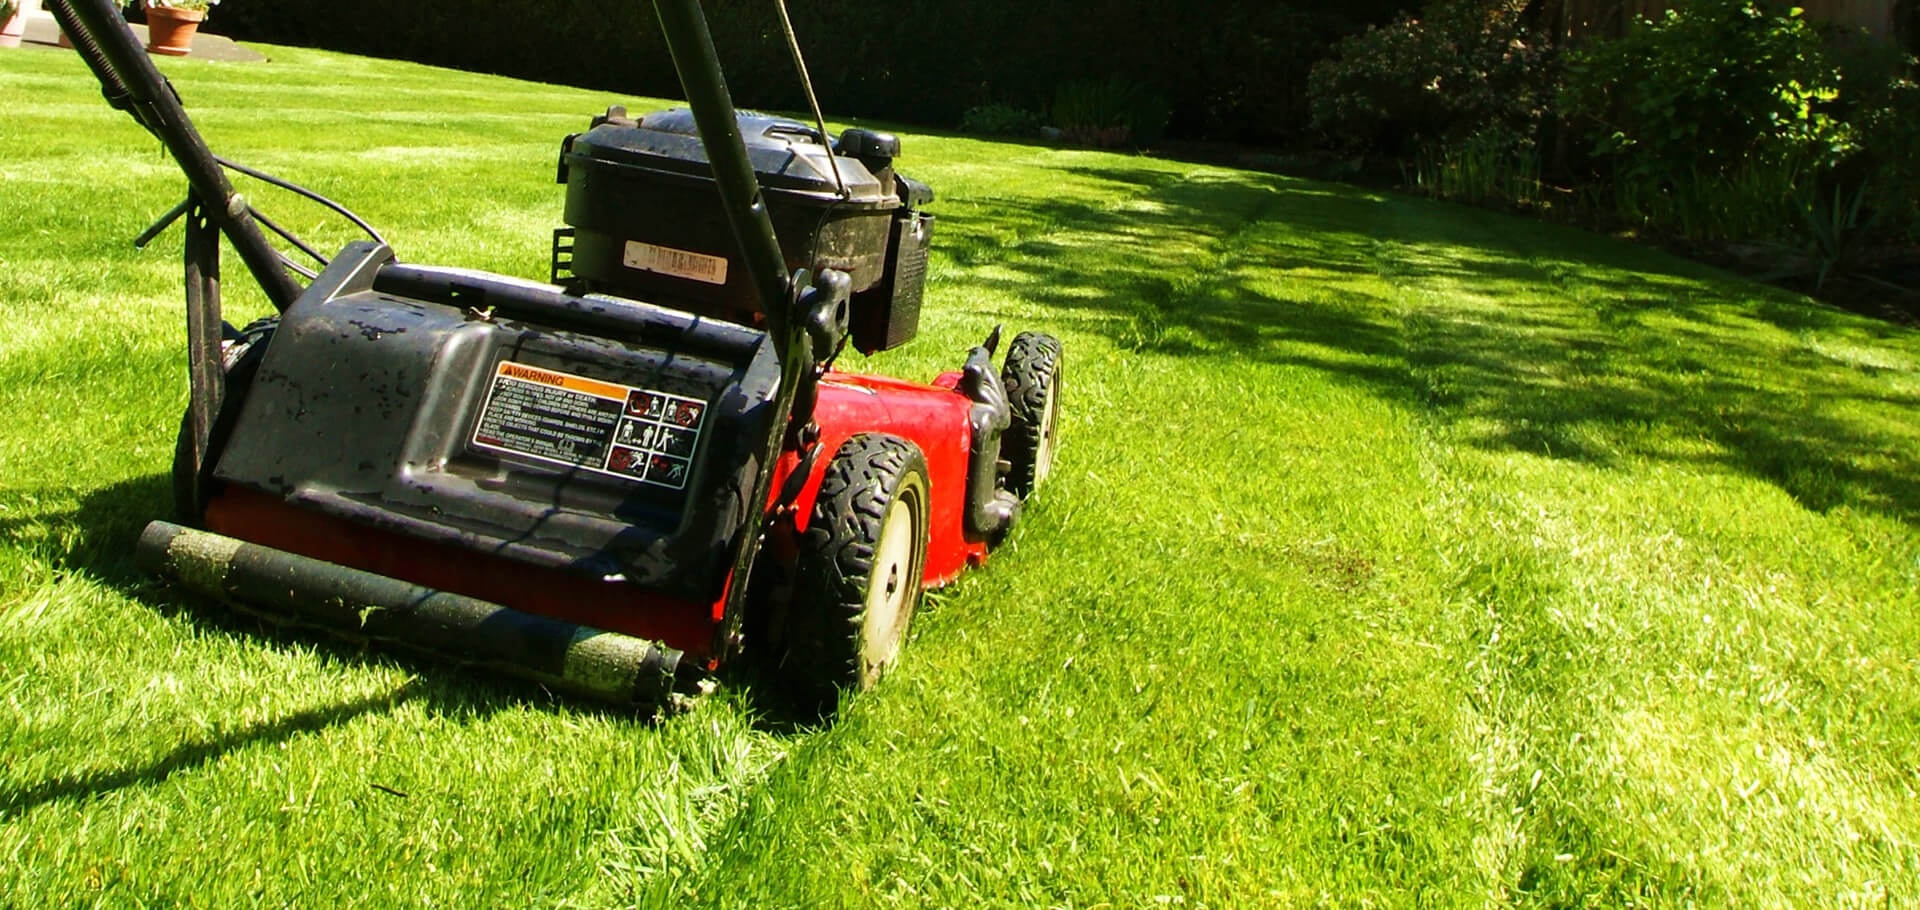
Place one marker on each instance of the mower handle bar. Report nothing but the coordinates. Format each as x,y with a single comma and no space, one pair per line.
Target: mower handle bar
133,84
690,44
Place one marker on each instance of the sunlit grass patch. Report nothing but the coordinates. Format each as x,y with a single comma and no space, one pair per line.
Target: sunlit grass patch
1400,554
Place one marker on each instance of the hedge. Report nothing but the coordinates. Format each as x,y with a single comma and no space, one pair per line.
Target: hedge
1230,69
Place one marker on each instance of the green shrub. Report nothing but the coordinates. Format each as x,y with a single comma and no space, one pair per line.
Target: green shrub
1109,114
1458,68
1758,201
1880,102
1838,230
1230,69
1246,75
1733,120
1494,166
1000,120
1705,88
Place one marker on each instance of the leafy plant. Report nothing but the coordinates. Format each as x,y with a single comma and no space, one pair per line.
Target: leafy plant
1000,119
1110,114
1880,101
1493,166
195,5
1457,68
1838,230
1835,229
1754,201
1708,86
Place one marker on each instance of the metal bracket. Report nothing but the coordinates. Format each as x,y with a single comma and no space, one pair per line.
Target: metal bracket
205,373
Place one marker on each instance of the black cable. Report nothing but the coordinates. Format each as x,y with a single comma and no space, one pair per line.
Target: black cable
339,209
310,251
806,81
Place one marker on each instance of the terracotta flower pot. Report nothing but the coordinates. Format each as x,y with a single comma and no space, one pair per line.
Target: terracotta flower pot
170,31
14,26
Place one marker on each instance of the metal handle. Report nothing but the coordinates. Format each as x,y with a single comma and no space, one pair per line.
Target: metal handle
698,65
133,84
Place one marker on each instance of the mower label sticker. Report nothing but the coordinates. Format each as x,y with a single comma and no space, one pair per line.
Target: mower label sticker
631,433
679,263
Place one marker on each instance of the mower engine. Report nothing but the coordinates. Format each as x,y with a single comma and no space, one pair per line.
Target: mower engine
644,220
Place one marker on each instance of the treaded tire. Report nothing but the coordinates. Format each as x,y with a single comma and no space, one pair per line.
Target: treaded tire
1032,380
858,574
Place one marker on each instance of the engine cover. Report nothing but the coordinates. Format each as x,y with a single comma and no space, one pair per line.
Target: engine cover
607,437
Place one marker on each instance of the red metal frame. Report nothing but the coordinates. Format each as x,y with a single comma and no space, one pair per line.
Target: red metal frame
932,417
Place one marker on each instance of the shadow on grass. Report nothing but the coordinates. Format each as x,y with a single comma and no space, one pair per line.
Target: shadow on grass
195,754
105,526
1531,337
106,523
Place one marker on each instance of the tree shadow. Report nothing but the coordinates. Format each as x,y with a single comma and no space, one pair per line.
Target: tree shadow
94,539
1545,339
199,752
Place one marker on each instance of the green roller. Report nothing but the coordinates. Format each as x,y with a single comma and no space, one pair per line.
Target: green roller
286,587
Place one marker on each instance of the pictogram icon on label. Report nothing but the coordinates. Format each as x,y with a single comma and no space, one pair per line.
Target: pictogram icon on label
679,263
605,427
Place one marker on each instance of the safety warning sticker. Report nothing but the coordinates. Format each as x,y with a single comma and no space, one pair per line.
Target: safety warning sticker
628,432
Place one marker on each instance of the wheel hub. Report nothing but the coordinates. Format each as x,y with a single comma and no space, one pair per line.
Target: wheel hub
884,619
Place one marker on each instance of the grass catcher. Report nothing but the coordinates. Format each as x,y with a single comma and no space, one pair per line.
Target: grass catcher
619,478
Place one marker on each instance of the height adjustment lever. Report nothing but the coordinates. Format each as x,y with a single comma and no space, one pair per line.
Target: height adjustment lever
826,309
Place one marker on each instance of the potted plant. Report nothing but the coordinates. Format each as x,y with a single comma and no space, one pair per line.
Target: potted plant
171,25
13,23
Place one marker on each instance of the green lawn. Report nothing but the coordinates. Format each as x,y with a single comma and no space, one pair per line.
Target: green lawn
1399,553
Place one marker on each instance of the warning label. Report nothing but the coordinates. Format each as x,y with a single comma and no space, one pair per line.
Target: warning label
632,433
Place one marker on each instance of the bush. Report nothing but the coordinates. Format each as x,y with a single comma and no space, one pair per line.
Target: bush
1459,68
1732,120
1230,69
1890,139
1000,120
1880,102
1242,71
1708,87
1494,166
1109,114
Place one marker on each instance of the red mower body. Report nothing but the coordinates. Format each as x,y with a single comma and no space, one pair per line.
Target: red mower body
585,480
932,417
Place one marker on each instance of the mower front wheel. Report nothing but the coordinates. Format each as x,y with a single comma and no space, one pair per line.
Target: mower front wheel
1032,380
858,575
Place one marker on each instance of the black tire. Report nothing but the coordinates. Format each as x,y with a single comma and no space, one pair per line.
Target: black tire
1032,380
858,575
239,360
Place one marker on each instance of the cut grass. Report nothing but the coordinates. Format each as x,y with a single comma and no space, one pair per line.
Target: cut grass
1399,553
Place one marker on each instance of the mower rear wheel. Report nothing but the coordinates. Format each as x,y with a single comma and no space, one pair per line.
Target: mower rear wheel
1032,380
240,358
858,575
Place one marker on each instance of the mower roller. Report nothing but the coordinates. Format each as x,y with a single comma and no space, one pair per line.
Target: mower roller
620,478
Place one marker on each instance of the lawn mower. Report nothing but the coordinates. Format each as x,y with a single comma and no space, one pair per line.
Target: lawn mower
617,480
